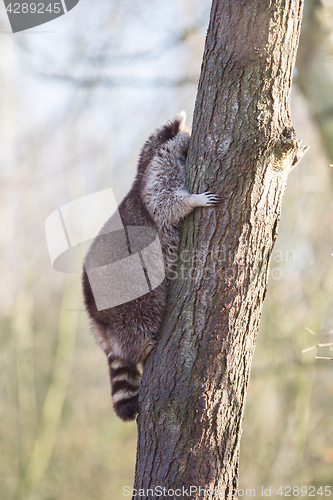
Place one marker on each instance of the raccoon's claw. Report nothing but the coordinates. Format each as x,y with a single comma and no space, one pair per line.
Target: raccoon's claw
212,198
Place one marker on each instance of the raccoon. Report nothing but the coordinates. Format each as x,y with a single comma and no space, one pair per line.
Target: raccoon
158,199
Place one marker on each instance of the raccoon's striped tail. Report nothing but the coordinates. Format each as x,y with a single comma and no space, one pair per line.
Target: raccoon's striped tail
125,381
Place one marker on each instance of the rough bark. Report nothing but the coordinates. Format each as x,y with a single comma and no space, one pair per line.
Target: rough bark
243,147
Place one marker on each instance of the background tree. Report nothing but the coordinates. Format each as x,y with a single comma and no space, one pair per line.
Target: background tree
314,65
243,146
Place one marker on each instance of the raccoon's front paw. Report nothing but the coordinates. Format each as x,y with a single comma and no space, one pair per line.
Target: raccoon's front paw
210,199
207,199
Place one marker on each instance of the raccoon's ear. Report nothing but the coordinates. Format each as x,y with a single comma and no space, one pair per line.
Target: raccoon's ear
181,117
171,128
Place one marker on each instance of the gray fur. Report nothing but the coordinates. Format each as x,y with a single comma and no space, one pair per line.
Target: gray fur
158,199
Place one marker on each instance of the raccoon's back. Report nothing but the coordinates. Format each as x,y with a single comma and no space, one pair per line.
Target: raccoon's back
110,246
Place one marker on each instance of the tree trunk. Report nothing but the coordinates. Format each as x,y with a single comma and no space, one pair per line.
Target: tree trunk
243,147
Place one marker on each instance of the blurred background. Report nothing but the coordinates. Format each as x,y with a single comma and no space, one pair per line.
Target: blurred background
78,98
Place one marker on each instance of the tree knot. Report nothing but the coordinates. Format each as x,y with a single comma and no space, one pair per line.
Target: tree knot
284,149
288,139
